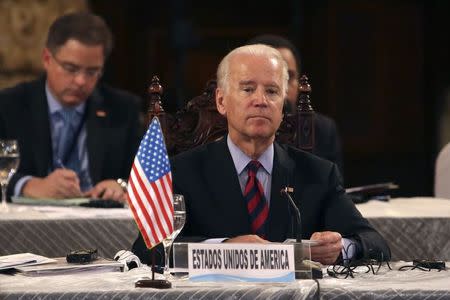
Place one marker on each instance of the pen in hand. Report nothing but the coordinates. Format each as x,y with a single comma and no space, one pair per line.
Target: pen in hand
72,176
59,164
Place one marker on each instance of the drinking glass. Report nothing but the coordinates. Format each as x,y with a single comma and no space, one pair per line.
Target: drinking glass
9,162
179,219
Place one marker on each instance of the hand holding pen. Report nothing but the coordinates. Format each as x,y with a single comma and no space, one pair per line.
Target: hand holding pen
59,184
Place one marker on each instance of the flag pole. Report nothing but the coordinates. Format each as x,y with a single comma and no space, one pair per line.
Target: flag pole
153,263
149,196
153,283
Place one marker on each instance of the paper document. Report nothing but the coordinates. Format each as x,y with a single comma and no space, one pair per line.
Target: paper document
307,242
61,266
372,188
49,201
22,259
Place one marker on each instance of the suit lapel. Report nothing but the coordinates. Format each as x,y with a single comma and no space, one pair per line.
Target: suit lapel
97,122
306,198
278,224
306,193
219,169
40,126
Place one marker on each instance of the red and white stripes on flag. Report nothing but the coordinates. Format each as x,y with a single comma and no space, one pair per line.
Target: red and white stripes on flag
150,187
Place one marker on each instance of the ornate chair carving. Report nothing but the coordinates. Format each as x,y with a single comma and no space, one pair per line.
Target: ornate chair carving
200,122
298,129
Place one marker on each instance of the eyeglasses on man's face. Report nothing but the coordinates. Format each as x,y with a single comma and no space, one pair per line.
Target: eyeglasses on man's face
74,70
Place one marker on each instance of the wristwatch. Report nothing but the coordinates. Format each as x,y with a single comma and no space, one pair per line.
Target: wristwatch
123,184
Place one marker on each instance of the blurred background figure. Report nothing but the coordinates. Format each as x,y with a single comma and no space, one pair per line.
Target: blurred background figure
76,137
327,140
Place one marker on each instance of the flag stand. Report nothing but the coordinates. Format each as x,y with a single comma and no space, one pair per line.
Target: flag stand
146,208
153,283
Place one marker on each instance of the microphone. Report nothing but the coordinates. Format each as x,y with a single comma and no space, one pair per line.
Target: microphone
302,264
298,233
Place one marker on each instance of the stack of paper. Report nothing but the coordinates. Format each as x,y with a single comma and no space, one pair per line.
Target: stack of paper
61,266
48,201
22,259
36,265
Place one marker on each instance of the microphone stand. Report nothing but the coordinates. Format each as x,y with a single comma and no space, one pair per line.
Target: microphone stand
298,232
153,283
300,263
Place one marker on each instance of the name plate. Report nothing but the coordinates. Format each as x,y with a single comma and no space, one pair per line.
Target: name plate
241,262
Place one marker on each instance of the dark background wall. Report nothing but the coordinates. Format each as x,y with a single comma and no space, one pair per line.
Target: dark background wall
379,68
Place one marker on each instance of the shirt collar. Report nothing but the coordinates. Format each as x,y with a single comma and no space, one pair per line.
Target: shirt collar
241,160
54,105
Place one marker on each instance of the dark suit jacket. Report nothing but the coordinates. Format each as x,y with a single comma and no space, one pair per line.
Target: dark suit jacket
112,140
215,206
327,141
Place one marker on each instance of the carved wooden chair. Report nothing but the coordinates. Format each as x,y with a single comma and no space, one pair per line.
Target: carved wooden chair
200,122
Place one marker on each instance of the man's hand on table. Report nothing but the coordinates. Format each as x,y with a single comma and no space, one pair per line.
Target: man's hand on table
250,238
327,250
329,247
107,189
61,183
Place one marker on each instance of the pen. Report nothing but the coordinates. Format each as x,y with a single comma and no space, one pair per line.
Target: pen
59,164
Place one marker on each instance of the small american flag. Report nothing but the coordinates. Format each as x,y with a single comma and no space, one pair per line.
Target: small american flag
150,187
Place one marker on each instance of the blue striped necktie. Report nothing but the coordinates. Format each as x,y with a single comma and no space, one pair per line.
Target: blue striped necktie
256,202
67,153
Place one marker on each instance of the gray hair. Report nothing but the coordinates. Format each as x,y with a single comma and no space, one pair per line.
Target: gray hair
223,71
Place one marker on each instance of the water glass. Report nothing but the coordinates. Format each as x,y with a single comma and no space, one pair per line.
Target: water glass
9,162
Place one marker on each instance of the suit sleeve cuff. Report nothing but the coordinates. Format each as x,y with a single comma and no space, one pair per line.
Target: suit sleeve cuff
349,249
20,184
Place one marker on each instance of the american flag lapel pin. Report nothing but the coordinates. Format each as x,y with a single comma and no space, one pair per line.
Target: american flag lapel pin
289,189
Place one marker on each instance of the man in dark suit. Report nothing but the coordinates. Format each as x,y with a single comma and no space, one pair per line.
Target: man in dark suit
327,141
76,137
232,186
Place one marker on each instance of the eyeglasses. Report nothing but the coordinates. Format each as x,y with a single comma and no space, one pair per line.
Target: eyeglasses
74,70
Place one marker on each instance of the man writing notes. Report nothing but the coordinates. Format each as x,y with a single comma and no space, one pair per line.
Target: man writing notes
232,186
76,137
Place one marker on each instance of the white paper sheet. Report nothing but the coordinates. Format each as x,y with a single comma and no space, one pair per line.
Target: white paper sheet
23,259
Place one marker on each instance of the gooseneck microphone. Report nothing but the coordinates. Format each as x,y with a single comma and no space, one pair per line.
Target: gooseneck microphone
298,233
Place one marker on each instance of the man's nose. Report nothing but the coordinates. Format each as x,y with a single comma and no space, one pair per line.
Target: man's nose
260,97
80,78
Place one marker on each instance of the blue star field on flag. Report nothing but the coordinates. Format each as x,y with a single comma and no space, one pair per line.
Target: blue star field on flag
152,154
150,187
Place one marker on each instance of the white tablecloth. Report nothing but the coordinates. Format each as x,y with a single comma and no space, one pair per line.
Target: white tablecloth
406,208
54,231
413,227
386,284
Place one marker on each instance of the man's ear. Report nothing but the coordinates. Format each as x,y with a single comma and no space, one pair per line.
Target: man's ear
220,102
46,55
